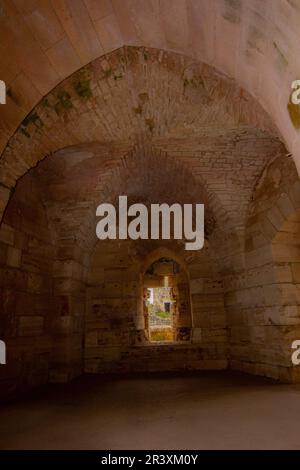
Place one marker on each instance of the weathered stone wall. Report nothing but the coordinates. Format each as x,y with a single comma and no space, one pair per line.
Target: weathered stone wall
207,299
26,290
69,290
258,279
112,303
115,339
262,299
159,127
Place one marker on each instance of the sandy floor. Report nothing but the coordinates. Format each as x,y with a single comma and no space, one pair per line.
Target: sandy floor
203,411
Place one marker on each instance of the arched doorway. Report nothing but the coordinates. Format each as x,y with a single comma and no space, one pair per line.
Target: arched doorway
166,302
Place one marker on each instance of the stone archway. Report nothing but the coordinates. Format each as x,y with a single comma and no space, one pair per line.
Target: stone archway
264,64
199,136
163,269
262,297
113,98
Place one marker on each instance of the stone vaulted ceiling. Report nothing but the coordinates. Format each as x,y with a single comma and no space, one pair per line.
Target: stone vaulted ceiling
143,122
101,86
246,40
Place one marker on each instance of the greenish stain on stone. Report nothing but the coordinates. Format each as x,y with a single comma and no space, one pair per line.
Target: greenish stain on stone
45,103
131,55
35,119
64,102
83,88
32,118
195,82
24,131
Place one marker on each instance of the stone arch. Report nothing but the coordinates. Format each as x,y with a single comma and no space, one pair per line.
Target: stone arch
183,316
262,300
105,172
57,177
162,252
203,31
115,104
120,82
114,305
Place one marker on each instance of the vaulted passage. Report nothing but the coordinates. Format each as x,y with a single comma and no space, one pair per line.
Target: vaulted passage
159,125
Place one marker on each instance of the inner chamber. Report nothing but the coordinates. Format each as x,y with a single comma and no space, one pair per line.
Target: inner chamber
72,303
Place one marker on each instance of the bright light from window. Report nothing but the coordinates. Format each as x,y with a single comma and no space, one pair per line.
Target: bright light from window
151,296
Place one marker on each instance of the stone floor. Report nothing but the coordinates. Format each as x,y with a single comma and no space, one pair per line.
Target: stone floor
203,411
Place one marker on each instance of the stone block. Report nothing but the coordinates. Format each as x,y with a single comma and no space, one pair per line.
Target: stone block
91,338
7,234
196,335
197,286
296,272
283,273
14,257
30,325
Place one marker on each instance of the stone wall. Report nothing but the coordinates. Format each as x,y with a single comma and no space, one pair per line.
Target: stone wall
207,299
160,127
26,290
115,340
64,311
112,303
262,300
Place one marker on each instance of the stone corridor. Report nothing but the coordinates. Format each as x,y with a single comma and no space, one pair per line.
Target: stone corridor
177,101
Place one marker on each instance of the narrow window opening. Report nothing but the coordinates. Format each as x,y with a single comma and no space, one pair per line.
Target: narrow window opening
166,302
161,310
